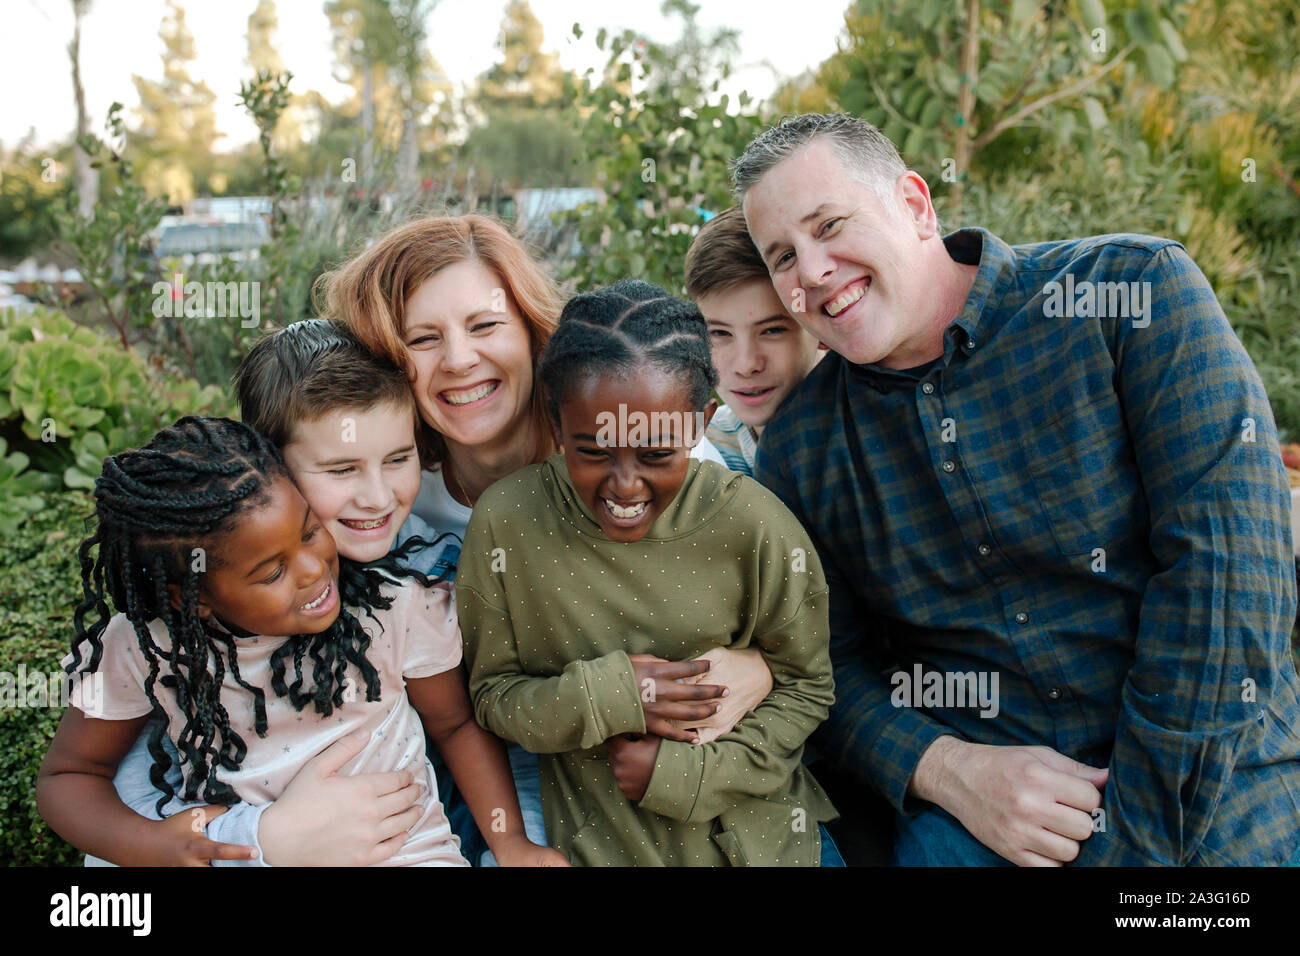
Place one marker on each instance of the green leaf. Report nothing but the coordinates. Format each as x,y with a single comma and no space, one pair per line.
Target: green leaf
1172,40
1095,113
1094,14
1160,66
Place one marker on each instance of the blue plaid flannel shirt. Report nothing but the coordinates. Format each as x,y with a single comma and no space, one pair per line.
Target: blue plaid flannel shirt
1093,508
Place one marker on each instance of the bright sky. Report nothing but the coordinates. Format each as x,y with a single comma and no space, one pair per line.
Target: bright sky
120,37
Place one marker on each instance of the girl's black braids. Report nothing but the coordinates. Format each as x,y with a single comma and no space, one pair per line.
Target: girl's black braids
619,329
185,490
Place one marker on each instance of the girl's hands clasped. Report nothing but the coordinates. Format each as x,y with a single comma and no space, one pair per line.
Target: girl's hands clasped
664,700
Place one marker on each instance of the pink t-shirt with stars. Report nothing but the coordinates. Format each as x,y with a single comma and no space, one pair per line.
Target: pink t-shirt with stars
419,638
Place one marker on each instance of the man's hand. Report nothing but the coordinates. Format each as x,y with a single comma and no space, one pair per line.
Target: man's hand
663,699
1030,805
182,842
633,758
323,819
748,681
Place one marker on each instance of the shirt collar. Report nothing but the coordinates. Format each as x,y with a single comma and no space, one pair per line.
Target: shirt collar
996,261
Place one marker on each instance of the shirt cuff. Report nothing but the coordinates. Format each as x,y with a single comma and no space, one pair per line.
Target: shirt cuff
897,750
675,784
239,825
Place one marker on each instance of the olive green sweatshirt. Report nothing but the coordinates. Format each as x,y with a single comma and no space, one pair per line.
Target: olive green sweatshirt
550,609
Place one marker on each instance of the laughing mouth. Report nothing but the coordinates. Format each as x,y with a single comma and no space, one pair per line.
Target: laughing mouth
324,596
631,511
370,524
846,299
465,396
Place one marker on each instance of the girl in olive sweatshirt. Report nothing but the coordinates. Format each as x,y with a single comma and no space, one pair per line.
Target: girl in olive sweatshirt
575,570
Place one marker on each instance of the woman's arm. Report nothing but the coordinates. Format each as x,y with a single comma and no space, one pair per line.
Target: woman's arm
478,764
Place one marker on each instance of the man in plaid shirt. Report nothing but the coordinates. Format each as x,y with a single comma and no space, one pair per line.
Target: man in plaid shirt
1046,487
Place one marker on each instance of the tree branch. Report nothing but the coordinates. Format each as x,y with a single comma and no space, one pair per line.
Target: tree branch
992,132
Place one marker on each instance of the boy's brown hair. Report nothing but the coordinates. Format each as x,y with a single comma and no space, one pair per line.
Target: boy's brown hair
311,368
722,256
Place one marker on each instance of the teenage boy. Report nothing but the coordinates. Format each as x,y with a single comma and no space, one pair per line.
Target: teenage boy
760,351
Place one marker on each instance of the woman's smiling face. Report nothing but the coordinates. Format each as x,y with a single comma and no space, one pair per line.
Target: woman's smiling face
470,353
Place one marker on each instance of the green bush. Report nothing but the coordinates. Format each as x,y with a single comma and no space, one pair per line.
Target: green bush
69,397
39,589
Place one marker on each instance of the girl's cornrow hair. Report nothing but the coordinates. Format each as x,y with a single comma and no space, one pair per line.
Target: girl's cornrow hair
155,507
621,328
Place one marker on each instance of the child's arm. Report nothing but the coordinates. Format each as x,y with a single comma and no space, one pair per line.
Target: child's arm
758,756
76,797
478,764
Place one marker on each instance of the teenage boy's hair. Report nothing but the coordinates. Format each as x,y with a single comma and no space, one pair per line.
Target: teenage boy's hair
311,368
722,256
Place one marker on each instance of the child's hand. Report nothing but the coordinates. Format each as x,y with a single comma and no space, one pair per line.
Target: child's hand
663,698
633,759
523,852
182,842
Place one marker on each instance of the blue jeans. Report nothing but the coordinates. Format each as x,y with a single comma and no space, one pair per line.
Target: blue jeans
830,852
523,767
933,837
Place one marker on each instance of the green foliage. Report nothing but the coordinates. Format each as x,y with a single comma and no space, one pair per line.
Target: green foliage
69,398
110,248
661,141
28,201
39,589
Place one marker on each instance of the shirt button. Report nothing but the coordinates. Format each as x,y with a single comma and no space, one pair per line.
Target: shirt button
928,388
949,466
1054,693
984,550
969,345
1022,618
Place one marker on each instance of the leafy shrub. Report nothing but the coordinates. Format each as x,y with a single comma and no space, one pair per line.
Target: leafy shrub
69,397
39,588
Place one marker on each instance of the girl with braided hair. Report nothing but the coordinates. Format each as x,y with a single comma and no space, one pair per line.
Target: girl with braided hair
226,585
580,574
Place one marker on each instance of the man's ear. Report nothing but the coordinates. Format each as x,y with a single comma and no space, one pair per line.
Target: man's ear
917,206
174,592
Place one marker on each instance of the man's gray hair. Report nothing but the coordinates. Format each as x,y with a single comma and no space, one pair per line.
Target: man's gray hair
868,155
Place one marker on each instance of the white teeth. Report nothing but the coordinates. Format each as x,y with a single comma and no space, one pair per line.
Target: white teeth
365,525
320,600
844,301
465,396
620,512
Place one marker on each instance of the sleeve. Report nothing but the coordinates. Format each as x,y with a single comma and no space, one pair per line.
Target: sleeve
433,643
585,705
239,825
757,758
115,690
1219,609
866,735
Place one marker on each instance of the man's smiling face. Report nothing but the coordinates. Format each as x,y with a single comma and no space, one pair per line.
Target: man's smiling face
828,239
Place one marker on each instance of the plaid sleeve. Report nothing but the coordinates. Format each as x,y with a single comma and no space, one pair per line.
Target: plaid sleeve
1217,613
865,734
